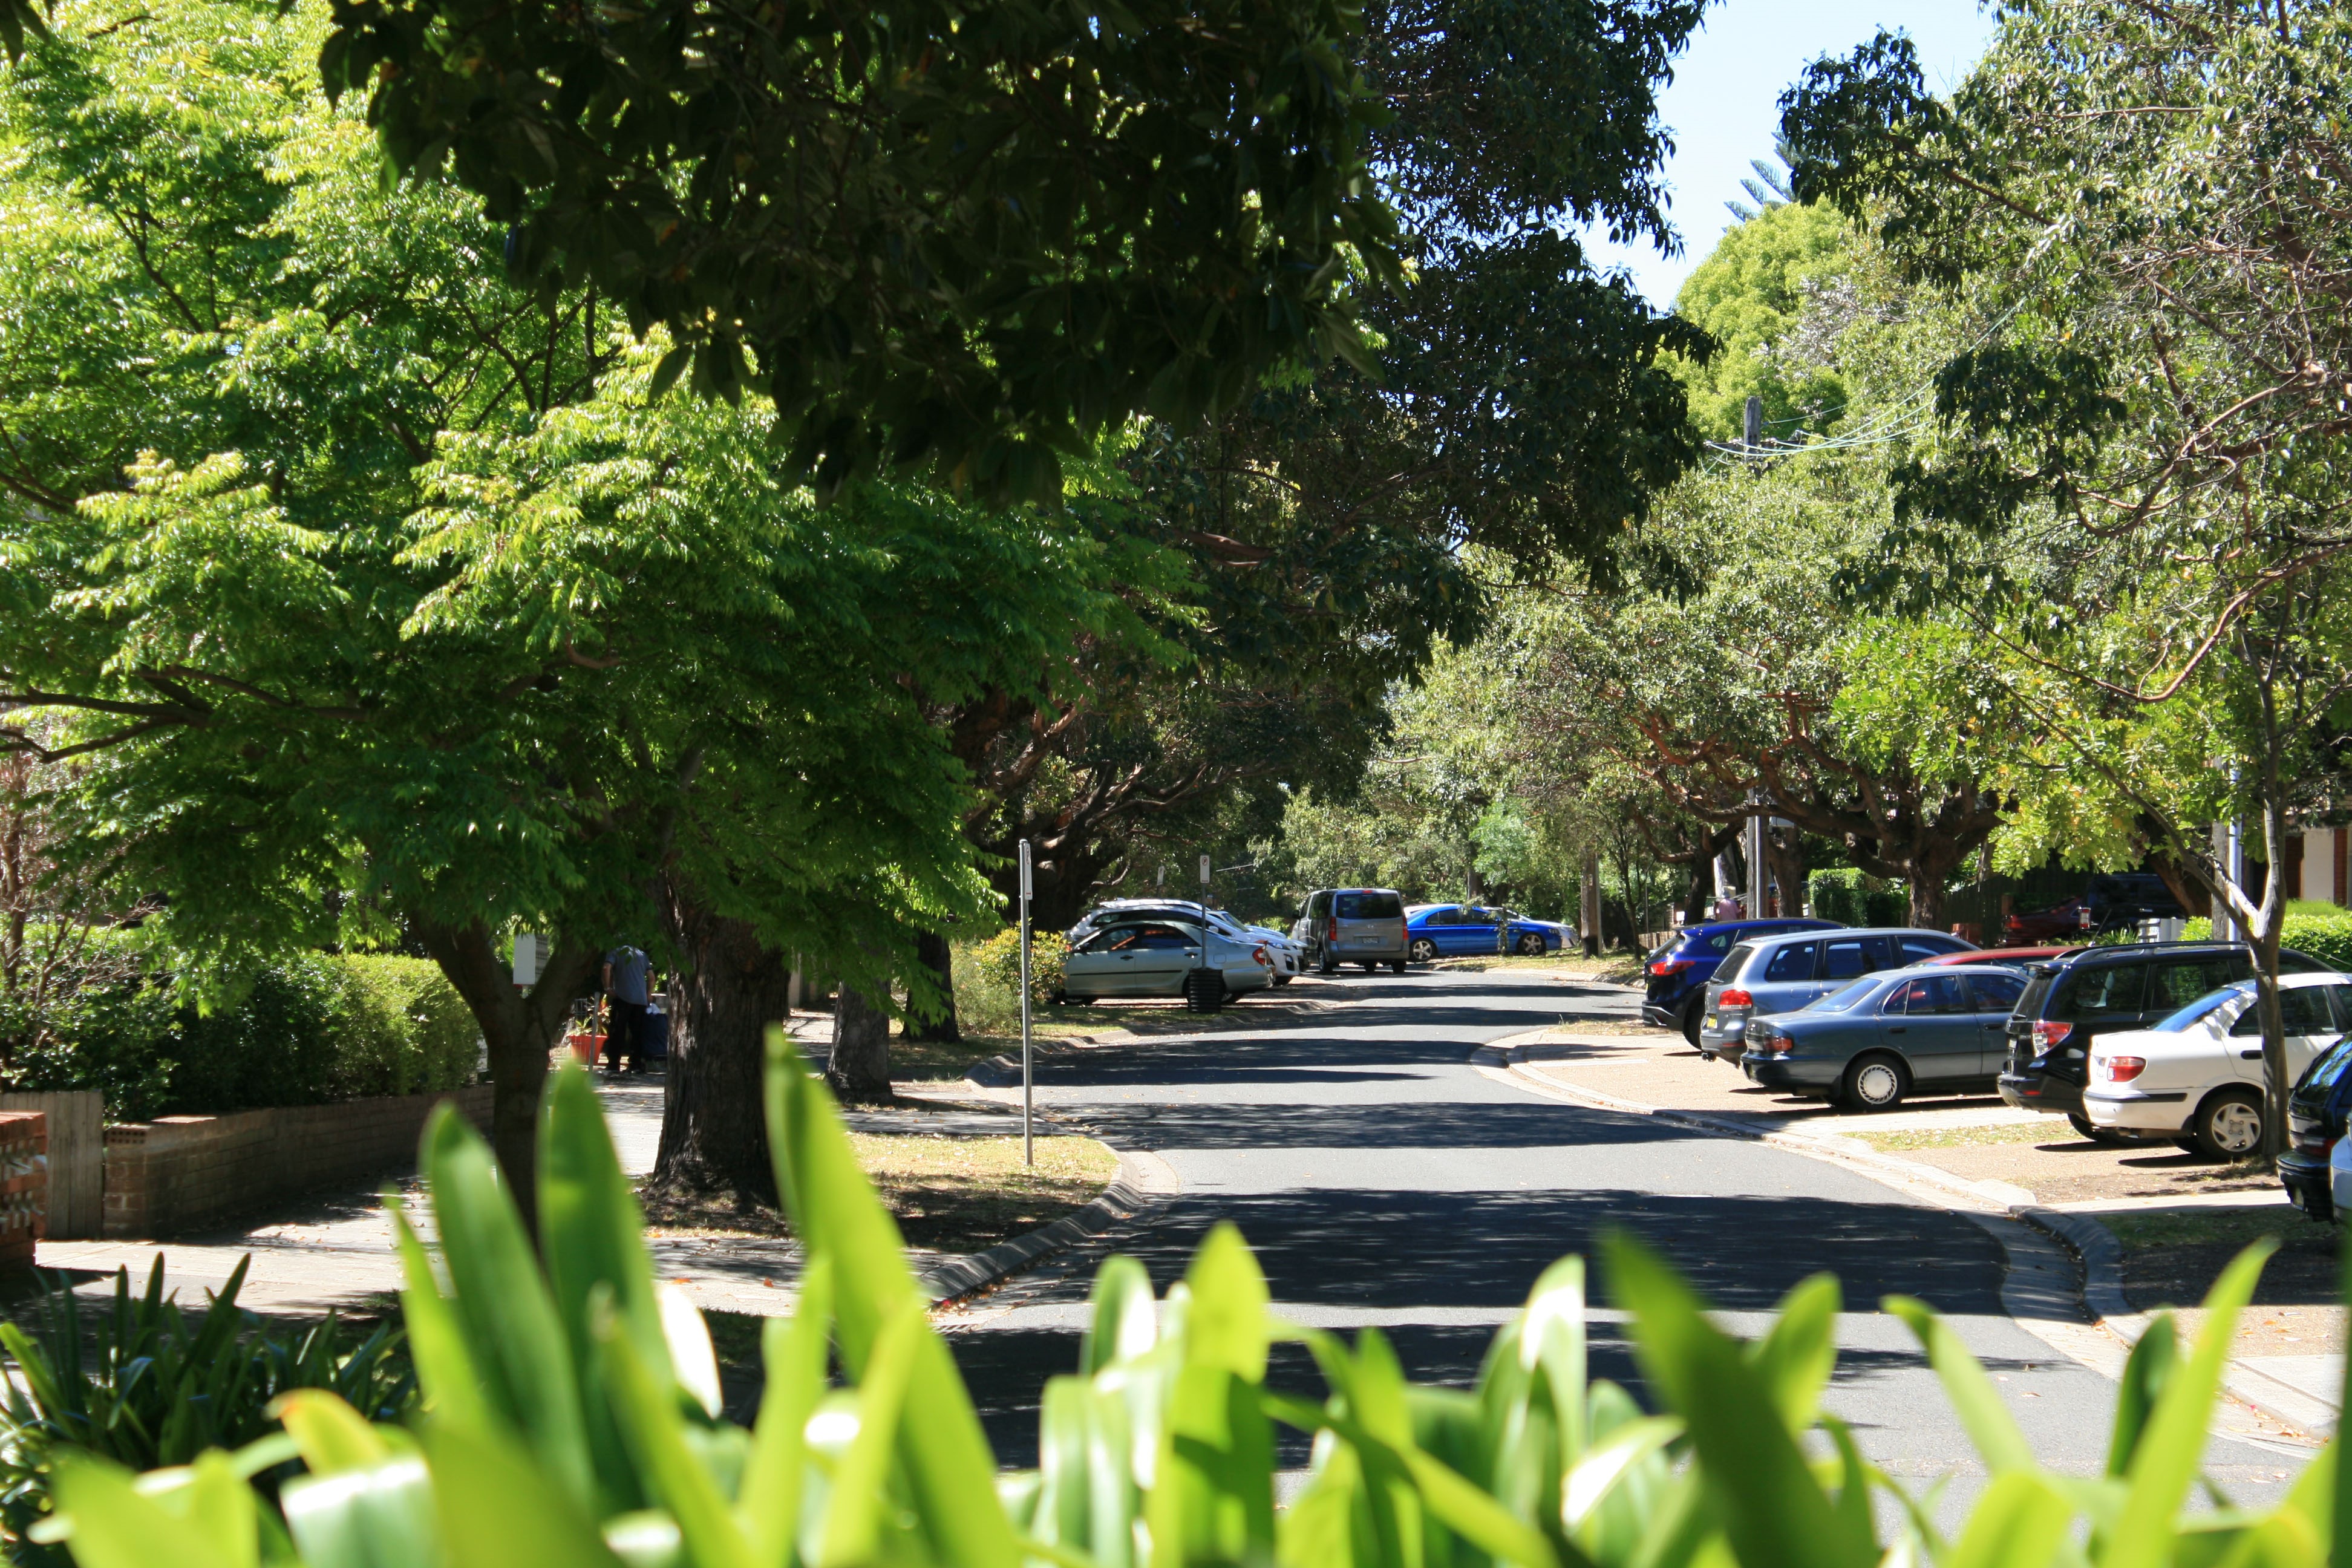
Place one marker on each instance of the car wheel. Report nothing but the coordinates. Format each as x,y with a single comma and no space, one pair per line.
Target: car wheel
1205,991
2092,1130
1875,1082
1531,945
2229,1125
1398,966
1283,979
1422,951
1058,999
1690,1025
1323,965
1371,965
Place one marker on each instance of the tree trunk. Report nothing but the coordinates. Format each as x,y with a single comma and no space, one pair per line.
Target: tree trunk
859,1068
1927,902
1784,852
714,1134
519,1027
1590,922
938,958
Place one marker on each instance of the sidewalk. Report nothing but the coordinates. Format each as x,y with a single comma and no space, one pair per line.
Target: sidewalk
1969,1152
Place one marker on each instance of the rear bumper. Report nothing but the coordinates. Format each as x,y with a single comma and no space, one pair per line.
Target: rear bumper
1798,1075
1662,1014
2306,1181
2042,1091
2161,1112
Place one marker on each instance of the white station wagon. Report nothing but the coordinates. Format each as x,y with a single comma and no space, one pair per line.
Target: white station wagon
2197,1077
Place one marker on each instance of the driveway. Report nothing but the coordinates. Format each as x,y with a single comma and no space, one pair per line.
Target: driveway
1384,1179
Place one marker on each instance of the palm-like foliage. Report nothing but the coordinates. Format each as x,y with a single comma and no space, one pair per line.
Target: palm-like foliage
569,1418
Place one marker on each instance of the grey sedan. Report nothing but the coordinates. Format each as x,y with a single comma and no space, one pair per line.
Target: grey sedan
1932,1028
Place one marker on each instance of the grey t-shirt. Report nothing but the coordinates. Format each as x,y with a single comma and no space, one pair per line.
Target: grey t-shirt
628,975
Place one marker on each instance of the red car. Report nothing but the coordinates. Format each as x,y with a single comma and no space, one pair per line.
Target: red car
2074,917
2002,955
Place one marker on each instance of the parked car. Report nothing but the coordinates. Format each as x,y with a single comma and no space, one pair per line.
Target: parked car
2110,902
1142,956
1352,925
1765,975
2016,955
2317,1111
1929,1028
1677,971
1278,945
1444,931
2196,1075
2071,1000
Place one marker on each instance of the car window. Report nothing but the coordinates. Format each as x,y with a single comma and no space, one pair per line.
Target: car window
2176,981
2106,991
1843,1000
2329,1069
1718,942
2342,996
1926,994
1734,961
1793,960
1842,958
1995,993
1371,907
1317,905
1919,949
2203,1007
2303,1010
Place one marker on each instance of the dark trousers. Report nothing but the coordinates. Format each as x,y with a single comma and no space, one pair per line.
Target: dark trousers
625,1034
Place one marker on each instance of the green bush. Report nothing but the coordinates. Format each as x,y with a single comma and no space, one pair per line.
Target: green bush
149,1385
307,1031
998,960
1847,895
2327,937
574,1421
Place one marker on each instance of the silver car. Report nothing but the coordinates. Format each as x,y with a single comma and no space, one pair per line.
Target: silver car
1765,975
1143,955
1352,925
1278,945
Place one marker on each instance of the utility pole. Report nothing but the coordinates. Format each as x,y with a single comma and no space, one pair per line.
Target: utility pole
1756,877
1028,1149
1752,426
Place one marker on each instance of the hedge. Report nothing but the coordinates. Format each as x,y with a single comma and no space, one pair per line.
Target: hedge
999,960
1850,898
2327,937
307,1031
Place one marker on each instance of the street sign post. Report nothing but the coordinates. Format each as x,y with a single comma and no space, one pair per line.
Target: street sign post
1028,1150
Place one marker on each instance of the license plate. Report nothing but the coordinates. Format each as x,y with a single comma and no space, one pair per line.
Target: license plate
1710,1020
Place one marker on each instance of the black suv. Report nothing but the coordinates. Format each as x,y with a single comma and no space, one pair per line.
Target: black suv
2071,1001
2315,1116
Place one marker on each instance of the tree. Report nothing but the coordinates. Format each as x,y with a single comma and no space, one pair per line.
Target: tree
2144,209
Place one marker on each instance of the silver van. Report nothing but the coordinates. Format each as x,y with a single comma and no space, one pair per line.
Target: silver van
1352,925
1765,975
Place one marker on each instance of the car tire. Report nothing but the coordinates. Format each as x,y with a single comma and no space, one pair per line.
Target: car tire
1422,951
1691,1015
1371,965
1205,991
1058,999
2093,1131
1876,1081
1398,966
1283,979
1532,945
2228,1125
1323,965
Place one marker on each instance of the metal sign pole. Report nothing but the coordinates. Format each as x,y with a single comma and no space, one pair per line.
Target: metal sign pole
1028,1152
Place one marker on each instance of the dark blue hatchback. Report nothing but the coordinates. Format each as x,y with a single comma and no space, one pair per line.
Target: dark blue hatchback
1678,972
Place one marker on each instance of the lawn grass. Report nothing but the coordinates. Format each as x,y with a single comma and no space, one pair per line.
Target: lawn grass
2036,1131
948,1195
2230,1227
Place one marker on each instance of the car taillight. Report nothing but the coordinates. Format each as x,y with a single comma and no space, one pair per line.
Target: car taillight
2048,1033
2122,1069
1333,934
1735,997
1666,966
1259,954
1778,1044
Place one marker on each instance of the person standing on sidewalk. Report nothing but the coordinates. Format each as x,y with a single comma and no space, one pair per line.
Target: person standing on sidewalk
624,989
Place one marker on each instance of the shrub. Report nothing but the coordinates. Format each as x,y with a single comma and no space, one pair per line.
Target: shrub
574,1420
2327,937
998,961
307,1031
149,1385
1847,895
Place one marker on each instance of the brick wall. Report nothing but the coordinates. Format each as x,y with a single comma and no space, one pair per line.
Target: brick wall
178,1174
24,1184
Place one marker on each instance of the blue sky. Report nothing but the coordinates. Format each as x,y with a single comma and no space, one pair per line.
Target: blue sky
1723,106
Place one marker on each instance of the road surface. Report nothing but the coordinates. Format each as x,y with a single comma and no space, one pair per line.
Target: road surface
1384,1179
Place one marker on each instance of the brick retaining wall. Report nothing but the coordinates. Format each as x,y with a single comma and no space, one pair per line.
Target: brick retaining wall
178,1174
24,1184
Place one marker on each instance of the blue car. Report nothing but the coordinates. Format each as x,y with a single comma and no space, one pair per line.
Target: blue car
1677,972
1932,1028
1448,931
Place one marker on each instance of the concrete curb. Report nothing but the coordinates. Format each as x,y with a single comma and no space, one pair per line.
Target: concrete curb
1144,1181
2093,1246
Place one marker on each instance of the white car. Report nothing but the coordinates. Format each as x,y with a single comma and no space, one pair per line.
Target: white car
2197,1077
1145,955
1284,951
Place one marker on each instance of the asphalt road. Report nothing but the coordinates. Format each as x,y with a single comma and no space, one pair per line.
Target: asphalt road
1384,1179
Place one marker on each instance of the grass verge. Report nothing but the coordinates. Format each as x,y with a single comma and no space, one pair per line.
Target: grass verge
2036,1131
948,1195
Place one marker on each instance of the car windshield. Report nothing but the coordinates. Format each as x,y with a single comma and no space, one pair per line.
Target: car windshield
2324,1072
2204,1007
1843,1000
1368,907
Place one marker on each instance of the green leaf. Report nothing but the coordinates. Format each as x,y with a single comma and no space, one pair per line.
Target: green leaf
2019,1522
110,1524
1124,1320
1796,1354
1552,1334
859,1506
2148,1370
646,1405
1226,1324
794,1354
377,1516
451,1383
330,1434
1974,1399
499,1507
